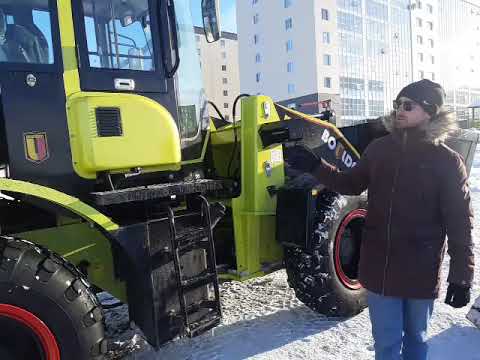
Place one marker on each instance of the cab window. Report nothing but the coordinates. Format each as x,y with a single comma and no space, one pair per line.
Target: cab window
118,34
26,32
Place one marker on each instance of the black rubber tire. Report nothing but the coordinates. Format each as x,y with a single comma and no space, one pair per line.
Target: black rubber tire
312,274
44,284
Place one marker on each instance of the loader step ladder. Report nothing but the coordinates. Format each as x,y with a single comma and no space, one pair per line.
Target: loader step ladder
187,239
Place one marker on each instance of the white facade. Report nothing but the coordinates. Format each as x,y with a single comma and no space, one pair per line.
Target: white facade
425,39
220,70
460,54
282,51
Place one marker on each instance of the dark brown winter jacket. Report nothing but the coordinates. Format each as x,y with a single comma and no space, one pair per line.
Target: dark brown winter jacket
417,194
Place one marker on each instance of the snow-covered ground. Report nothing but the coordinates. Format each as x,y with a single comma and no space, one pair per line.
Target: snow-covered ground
262,319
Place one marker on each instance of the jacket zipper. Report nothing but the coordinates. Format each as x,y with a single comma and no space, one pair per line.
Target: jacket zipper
389,223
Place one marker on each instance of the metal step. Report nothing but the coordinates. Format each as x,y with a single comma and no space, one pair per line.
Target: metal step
202,305
195,282
191,234
205,324
159,191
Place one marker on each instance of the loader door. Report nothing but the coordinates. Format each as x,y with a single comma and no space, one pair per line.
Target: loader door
145,47
33,96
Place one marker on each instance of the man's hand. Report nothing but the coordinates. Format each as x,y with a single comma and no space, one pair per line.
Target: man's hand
457,295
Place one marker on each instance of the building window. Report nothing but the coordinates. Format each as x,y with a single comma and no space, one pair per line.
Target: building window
326,37
224,55
433,76
224,67
289,45
287,3
254,2
224,80
257,77
421,74
225,105
198,51
430,43
327,82
430,25
420,57
432,59
222,43
430,8
258,58
226,117
419,4
225,92
255,19
419,39
290,67
291,88
288,24
325,15
327,59
419,22
255,39
197,38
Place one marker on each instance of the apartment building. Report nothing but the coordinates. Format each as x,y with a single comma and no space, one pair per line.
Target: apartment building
359,53
425,39
220,70
375,55
288,50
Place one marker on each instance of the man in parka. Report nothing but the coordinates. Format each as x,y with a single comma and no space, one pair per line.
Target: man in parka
417,195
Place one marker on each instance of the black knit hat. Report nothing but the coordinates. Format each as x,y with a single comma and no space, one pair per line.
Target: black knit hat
428,94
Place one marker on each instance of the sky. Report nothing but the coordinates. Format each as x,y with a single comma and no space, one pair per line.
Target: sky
228,20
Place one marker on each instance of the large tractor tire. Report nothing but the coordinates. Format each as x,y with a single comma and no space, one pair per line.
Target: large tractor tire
47,309
326,278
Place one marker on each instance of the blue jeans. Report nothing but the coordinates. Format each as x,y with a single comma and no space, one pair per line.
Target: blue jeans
399,326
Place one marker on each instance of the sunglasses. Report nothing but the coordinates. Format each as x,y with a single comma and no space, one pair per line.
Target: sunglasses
406,105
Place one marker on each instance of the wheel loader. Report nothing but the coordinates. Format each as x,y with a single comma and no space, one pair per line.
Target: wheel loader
115,178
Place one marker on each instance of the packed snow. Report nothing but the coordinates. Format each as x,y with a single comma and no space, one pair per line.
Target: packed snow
262,319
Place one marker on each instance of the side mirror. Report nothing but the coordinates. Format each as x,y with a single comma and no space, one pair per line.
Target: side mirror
211,19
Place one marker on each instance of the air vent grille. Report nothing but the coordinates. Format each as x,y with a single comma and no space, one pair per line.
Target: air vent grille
109,122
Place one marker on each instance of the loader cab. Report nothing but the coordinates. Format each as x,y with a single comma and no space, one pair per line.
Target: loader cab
132,52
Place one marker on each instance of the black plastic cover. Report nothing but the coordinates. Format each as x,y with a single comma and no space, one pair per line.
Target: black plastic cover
281,132
296,213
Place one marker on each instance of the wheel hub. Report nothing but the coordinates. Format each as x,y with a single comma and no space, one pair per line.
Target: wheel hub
347,248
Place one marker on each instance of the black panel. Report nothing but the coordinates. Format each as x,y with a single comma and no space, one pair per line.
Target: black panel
296,211
109,122
146,263
39,111
281,132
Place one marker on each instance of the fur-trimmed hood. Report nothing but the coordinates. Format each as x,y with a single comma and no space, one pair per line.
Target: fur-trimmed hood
436,130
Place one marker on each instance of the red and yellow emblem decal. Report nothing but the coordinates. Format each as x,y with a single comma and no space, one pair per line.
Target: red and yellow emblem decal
36,146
